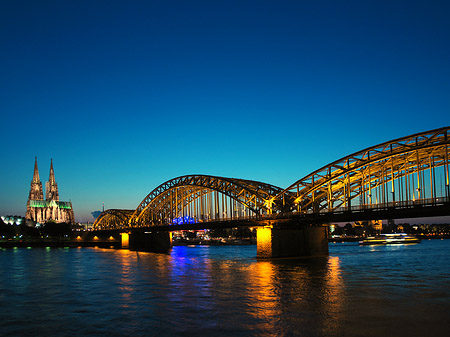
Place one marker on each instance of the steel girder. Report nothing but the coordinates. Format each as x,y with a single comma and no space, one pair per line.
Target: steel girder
169,198
113,219
337,184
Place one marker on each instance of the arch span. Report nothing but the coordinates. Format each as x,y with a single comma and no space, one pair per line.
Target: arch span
396,171
113,219
170,199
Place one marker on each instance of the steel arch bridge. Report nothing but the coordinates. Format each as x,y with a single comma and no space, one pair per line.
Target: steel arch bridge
400,173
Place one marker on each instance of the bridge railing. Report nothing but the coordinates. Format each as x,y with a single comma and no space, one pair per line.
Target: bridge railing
387,205
428,202
395,205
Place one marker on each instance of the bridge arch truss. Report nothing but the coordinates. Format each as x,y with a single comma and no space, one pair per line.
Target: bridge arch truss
113,219
204,198
406,170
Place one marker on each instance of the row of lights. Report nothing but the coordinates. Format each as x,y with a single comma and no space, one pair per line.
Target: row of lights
95,238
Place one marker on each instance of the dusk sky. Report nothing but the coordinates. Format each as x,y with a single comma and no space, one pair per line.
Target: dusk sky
125,95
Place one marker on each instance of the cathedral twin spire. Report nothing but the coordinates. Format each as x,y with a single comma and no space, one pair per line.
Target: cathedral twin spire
36,172
36,192
51,187
51,177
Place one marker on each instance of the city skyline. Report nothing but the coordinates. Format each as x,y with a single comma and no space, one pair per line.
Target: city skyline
124,97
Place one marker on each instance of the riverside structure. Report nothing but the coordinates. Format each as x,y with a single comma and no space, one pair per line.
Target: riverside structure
404,178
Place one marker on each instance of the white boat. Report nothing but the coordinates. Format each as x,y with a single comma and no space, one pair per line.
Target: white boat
390,239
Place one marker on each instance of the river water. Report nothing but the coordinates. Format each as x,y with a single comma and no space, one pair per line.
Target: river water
399,290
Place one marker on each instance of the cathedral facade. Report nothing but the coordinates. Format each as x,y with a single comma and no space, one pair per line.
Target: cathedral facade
49,209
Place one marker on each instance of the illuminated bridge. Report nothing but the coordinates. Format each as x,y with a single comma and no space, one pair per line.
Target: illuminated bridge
403,178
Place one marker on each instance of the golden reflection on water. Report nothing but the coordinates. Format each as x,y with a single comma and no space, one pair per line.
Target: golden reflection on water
127,261
335,296
296,288
263,300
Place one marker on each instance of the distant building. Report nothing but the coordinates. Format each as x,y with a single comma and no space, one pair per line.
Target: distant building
40,210
12,220
377,225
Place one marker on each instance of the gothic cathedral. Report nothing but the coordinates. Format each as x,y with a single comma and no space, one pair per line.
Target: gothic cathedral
51,208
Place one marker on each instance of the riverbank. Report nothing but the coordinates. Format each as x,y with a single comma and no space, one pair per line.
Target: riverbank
57,244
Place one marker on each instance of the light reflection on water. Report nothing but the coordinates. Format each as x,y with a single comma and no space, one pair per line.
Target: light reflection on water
225,291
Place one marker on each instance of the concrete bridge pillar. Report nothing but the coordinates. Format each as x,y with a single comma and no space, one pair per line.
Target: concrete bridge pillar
155,242
273,242
125,240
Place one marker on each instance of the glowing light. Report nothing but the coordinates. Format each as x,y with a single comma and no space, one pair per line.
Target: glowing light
96,237
45,203
125,240
264,242
183,220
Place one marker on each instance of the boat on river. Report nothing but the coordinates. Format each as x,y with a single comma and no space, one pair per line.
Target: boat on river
390,239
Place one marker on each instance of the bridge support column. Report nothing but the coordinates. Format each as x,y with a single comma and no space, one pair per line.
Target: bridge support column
275,242
124,240
155,242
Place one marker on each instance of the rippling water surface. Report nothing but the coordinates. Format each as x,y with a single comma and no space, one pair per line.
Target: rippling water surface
225,291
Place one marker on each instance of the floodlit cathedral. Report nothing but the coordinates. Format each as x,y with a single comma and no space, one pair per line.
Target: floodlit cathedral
51,208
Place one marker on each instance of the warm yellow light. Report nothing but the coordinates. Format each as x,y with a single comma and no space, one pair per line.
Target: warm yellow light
78,237
111,238
96,237
264,242
125,240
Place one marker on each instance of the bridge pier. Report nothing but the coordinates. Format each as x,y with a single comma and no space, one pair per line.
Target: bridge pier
125,240
155,242
274,241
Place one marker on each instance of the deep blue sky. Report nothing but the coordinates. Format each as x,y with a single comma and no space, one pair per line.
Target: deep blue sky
124,95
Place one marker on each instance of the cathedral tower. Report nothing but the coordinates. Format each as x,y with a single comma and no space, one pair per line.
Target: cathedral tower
36,192
51,187
50,209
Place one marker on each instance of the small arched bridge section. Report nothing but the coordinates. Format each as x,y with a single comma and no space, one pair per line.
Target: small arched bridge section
113,219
